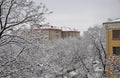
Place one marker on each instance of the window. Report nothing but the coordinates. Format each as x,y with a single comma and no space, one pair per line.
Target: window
116,34
116,50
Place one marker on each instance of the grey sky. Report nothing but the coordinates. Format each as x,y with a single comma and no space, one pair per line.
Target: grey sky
81,14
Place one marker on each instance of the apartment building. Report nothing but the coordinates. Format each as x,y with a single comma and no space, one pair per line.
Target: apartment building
113,48
39,33
72,33
52,33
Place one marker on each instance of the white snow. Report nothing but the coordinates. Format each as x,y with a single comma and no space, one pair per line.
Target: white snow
117,20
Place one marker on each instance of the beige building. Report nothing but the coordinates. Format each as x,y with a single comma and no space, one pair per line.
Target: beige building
113,37
113,48
66,34
52,33
45,34
38,33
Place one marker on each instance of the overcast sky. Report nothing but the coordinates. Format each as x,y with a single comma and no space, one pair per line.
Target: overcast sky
81,14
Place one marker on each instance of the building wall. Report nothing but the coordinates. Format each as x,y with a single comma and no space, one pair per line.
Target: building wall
77,33
54,34
49,33
110,41
112,59
66,34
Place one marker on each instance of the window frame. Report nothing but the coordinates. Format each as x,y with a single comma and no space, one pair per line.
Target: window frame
116,36
115,53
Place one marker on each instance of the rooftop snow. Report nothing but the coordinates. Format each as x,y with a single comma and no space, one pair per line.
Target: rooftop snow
117,20
113,21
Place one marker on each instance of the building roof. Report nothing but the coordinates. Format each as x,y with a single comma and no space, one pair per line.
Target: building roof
113,21
117,20
54,28
67,29
72,31
51,29
47,28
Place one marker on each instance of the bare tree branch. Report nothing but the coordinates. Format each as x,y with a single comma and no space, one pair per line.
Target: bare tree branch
9,10
1,13
20,52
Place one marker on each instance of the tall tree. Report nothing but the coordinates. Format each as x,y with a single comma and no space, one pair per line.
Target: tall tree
16,12
15,61
96,37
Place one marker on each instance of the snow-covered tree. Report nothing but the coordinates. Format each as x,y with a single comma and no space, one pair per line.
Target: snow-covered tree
80,57
96,38
15,51
16,12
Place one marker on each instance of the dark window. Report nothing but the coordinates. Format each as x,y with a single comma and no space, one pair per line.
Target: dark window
116,34
116,50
